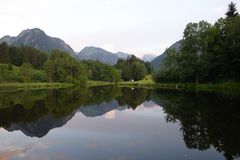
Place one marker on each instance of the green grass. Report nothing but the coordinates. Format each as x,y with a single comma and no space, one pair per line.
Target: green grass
34,85
147,82
91,83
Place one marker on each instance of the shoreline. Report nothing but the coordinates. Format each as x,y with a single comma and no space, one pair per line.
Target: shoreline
34,85
136,84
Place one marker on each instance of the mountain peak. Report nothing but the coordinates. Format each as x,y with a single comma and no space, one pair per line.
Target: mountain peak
31,31
7,39
96,53
94,48
37,38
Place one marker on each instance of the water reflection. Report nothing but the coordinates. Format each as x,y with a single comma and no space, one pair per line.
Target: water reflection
204,120
35,113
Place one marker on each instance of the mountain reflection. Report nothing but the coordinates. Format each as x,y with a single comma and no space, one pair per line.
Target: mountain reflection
35,113
206,119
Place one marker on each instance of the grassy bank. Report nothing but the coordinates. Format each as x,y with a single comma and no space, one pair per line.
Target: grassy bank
98,83
34,85
147,82
183,86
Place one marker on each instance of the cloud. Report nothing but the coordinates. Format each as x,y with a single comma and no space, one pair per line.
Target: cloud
12,151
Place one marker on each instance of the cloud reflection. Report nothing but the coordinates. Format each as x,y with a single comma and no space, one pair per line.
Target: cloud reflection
12,151
110,115
9,154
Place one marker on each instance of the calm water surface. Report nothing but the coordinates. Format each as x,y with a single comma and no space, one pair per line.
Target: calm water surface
106,123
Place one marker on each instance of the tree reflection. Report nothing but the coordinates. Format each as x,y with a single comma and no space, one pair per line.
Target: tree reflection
35,112
133,97
206,119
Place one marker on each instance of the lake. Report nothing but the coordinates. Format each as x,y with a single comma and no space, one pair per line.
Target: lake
109,123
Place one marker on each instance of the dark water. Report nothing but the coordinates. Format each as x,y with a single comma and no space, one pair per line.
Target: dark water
107,123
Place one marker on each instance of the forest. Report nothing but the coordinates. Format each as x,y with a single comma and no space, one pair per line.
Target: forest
27,64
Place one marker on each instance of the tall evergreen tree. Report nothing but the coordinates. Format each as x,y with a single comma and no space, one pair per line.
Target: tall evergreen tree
232,10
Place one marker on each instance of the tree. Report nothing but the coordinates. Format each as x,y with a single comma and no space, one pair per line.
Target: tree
99,71
61,67
232,10
26,72
132,68
116,76
4,53
169,72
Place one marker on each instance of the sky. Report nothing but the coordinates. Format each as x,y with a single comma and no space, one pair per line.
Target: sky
133,26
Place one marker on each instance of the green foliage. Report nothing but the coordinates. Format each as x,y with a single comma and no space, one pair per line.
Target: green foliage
209,53
61,67
98,71
168,71
25,73
116,77
132,68
4,53
23,54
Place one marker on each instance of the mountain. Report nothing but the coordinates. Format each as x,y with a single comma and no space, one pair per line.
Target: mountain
122,55
100,109
148,57
7,39
95,53
157,62
38,39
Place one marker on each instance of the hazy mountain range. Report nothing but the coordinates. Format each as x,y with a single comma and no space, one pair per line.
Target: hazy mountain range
39,39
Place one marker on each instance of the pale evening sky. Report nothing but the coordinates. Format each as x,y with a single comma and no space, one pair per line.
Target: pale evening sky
133,26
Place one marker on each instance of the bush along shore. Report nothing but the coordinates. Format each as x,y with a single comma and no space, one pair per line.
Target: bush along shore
34,85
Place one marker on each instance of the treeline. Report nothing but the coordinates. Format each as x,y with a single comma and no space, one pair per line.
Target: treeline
133,68
209,53
98,71
23,54
27,64
24,73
